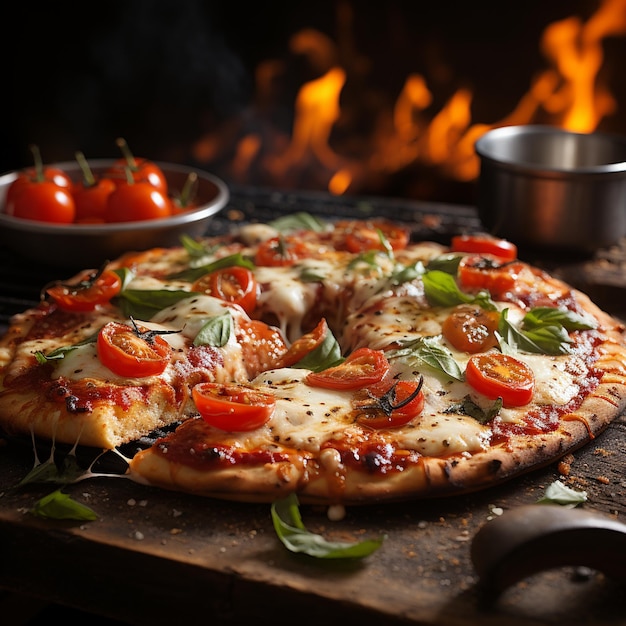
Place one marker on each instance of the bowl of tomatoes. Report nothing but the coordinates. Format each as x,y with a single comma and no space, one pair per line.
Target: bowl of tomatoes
79,214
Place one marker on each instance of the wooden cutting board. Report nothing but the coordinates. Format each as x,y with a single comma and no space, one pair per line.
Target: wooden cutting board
154,556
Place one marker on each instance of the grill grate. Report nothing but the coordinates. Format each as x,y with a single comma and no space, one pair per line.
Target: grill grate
21,280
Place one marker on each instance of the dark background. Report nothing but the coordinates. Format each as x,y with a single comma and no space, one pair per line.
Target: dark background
163,73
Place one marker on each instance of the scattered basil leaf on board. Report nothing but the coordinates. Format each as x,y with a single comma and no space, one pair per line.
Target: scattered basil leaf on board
558,493
59,505
296,538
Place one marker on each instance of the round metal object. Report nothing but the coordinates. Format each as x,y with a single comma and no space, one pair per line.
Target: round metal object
547,187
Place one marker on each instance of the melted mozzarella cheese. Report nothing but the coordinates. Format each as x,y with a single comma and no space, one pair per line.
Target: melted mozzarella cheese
306,417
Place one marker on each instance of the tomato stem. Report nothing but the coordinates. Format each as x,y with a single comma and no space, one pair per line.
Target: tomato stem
189,189
128,155
88,176
39,178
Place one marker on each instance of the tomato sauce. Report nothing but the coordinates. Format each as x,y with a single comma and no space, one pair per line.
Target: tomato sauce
192,447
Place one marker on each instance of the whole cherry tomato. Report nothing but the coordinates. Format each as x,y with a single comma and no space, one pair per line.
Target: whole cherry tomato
141,170
91,194
186,199
43,202
136,201
41,193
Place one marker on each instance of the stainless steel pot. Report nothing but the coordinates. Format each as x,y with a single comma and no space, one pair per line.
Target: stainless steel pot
543,186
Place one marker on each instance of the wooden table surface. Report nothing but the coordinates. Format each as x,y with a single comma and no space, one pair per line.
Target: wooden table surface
154,557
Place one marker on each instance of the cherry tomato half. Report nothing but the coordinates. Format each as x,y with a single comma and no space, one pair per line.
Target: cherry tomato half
132,202
361,237
391,404
485,244
281,252
470,328
133,352
43,202
235,284
89,290
361,368
232,407
498,375
262,345
305,344
488,272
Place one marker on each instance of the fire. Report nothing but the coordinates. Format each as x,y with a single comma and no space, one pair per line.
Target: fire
567,92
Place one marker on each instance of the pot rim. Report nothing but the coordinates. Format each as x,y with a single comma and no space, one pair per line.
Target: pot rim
484,148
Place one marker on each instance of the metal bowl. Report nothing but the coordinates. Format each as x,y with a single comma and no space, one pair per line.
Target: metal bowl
89,245
543,186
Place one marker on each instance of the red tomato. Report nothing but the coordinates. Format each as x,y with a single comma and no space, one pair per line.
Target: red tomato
498,375
42,202
488,272
29,177
281,252
236,285
305,344
132,351
91,200
485,244
38,174
393,405
262,345
187,197
361,368
141,170
232,407
91,289
363,237
134,202
471,329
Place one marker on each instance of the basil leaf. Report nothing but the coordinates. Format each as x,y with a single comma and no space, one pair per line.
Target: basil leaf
196,249
440,289
126,276
144,303
296,538
309,275
448,263
59,505
469,407
558,493
541,340
550,316
327,354
428,351
216,332
300,220
59,353
192,274
402,274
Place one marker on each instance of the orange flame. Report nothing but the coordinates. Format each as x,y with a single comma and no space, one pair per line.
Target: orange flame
567,91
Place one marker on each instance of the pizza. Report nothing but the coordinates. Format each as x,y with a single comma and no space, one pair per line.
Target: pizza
337,360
